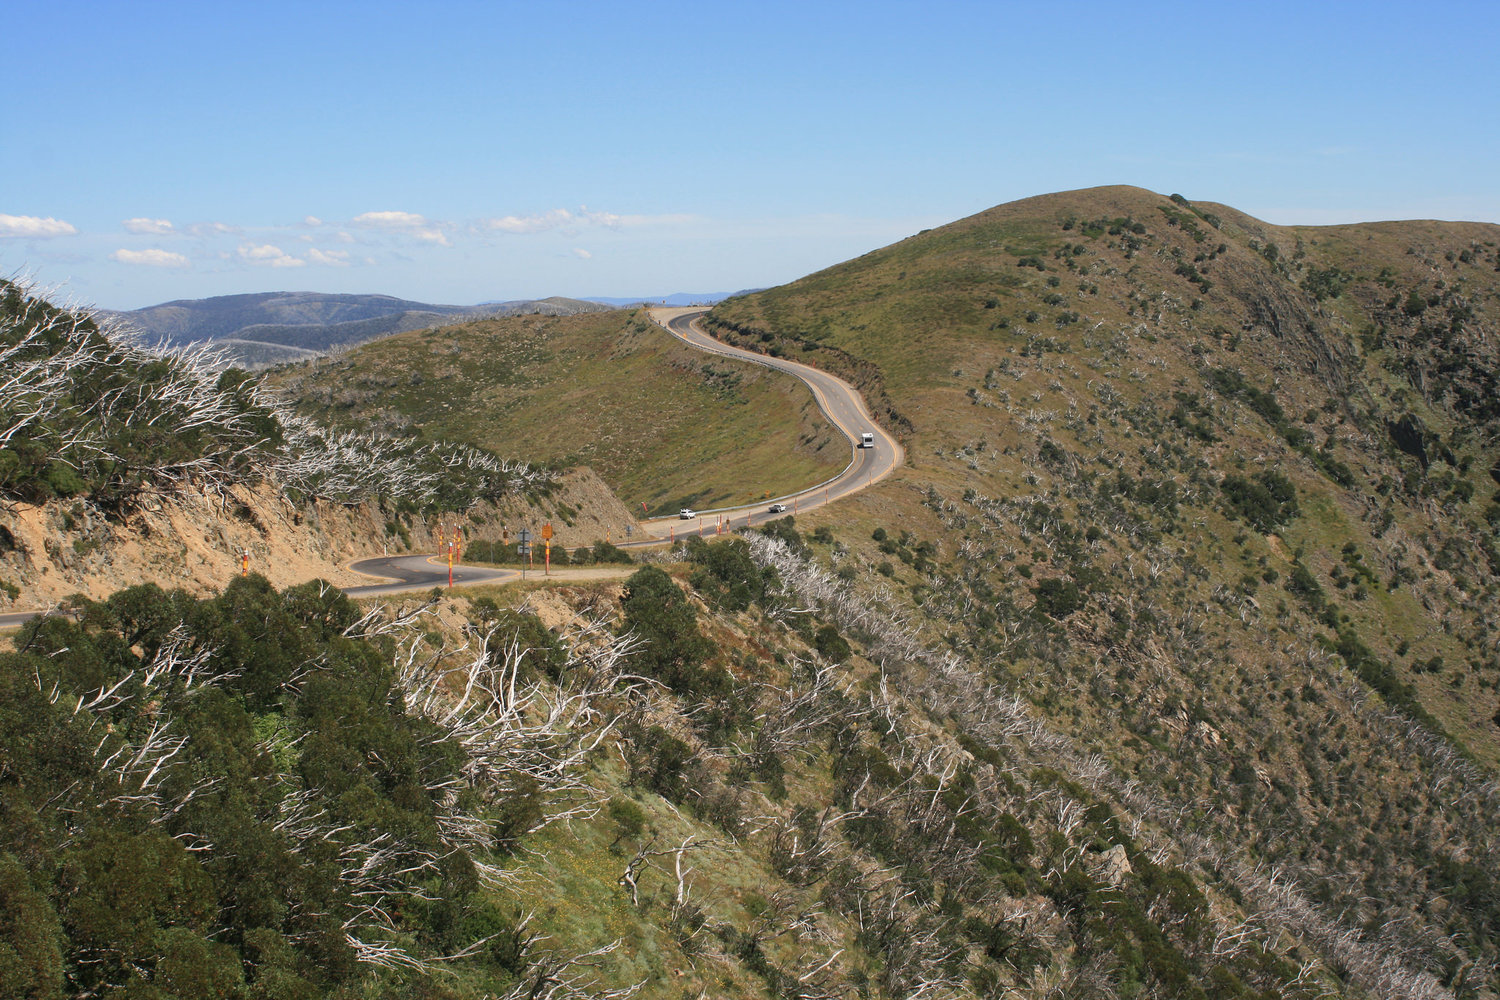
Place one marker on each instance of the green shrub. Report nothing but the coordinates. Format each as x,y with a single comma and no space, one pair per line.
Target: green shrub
672,649
608,552
726,575
1056,597
830,645
1266,501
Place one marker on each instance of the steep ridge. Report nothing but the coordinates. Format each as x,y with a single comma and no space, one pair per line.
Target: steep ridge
121,466
1212,497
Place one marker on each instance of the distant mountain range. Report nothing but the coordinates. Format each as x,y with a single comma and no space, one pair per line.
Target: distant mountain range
267,328
677,299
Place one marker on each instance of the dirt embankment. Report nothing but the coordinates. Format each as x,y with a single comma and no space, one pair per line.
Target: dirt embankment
195,540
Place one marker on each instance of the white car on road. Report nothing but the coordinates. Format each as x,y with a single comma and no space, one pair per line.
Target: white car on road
687,513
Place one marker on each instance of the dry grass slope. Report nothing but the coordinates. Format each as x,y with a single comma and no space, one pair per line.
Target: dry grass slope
661,423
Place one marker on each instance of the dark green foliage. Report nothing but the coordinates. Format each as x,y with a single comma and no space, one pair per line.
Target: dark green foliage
540,649
726,575
830,645
1193,417
660,762
1234,385
1383,678
629,818
1327,283
98,417
82,444
672,649
1057,598
1266,500
607,552
785,529
32,943
97,888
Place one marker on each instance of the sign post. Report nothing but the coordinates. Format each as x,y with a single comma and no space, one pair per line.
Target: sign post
547,555
523,548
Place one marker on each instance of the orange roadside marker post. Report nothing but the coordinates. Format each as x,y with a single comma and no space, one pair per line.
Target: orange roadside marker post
244,562
450,567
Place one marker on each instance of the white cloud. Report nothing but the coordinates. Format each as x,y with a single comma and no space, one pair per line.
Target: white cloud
557,218
212,229
148,227
268,255
390,220
404,222
311,220
530,223
333,258
582,254
30,226
151,258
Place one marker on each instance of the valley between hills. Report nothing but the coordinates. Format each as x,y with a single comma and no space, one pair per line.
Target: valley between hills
1166,665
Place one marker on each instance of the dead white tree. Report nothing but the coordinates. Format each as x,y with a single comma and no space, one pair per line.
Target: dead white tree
793,717
520,733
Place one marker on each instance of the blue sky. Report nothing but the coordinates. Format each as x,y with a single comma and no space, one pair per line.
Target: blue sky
462,152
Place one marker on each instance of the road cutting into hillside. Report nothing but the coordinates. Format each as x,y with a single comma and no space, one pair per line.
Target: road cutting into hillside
839,402
407,574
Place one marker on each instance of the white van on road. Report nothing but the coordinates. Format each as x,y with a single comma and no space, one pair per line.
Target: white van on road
867,440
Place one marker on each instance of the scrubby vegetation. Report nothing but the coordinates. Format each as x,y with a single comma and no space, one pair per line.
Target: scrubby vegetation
90,415
273,795
660,422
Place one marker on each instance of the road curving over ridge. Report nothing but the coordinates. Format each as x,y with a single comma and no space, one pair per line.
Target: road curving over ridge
840,402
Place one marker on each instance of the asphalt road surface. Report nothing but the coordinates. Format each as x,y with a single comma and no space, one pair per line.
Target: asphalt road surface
422,572
840,402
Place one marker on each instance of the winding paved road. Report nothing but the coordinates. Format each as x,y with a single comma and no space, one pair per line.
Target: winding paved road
840,402
421,572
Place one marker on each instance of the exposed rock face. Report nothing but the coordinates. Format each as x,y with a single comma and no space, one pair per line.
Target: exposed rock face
1114,865
194,540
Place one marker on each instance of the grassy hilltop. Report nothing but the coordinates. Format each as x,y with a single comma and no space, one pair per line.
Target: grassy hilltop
1072,338
660,422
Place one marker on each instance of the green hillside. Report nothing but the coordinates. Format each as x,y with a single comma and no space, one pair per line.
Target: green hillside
661,423
1218,498
1071,338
